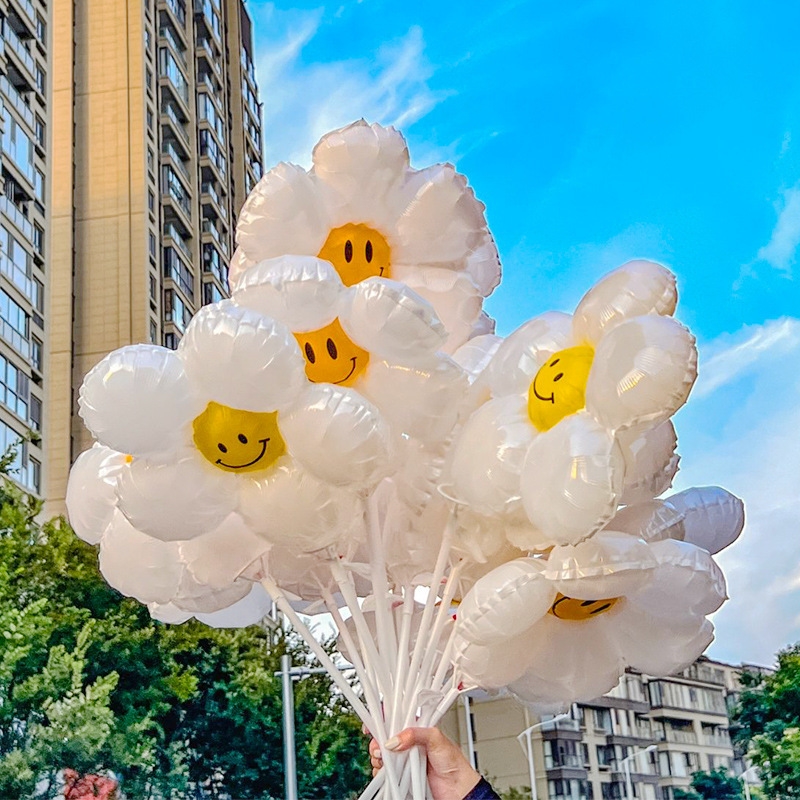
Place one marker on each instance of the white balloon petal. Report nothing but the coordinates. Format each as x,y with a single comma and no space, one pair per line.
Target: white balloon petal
643,371
338,436
392,320
572,479
137,400
138,565
650,461
291,507
634,289
241,359
250,610
176,500
91,491
303,292
712,518
488,456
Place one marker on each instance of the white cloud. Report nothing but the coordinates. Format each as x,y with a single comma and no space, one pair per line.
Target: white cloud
746,439
781,250
303,100
735,355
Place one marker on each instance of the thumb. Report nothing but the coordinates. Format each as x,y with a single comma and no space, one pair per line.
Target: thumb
414,737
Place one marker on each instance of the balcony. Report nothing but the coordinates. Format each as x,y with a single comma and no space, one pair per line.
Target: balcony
11,335
204,48
205,12
173,233
28,15
23,224
17,276
169,112
219,205
179,49
15,99
170,150
177,9
22,53
675,737
717,740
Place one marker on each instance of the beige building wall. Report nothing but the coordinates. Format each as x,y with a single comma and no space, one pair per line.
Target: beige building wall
153,166
669,727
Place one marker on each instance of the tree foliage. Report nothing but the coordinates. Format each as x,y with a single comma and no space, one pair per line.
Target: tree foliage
767,721
714,785
89,682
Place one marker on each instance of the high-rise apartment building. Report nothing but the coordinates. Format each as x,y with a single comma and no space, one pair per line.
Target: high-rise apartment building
660,730
157,132
25,158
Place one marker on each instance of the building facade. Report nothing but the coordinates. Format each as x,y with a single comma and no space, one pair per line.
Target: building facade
158,124
660,730
25,159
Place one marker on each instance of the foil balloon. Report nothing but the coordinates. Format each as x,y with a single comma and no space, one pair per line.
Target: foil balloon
364,209
567,433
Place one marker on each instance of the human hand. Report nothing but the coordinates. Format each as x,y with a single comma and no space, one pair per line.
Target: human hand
450,775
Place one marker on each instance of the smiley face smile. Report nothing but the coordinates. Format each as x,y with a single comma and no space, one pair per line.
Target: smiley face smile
349,374
264,443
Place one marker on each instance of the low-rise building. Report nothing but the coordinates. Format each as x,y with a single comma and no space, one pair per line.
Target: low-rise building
649,733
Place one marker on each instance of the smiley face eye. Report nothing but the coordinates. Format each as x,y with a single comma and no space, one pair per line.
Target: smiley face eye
222,448
332,351
553,363
310,353
348,251
368,251
242,438
558,377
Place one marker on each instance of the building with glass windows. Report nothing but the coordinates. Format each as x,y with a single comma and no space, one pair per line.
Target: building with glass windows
25,59
157,122
660,729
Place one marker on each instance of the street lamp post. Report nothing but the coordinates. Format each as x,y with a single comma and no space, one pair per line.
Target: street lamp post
746,782
529,750
625,763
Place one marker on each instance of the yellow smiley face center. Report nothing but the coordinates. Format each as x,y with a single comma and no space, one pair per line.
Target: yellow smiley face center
238,441
559,388
579,610
331,356
358,252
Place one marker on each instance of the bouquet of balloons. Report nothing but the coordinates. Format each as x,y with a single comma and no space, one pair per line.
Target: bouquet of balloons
346,435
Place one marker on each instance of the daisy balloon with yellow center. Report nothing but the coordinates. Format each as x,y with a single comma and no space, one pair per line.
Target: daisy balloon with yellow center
578,416
364,209
229,424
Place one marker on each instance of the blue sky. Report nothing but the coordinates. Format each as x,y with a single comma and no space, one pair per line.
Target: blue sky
596,132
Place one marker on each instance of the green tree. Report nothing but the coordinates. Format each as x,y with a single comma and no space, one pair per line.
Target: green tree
767,721
714,785
89,682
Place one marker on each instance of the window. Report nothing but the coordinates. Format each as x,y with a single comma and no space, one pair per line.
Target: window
38,301
18,146
151,200
27,473
14,323
150,160
33,479
211,294
176,269
175,310
40,131
41,30
148,78
175,189
153,287
38,239
170,68
37,353
36,413
14,389
153,331
41,80
171,341
149,119
151,238
38,185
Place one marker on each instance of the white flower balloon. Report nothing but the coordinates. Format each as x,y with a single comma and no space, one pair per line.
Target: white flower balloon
366,211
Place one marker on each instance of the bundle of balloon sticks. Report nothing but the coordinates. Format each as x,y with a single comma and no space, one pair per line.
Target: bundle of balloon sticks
347,435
